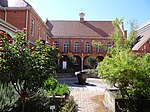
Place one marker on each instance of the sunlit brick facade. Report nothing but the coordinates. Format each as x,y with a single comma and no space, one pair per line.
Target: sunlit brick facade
142,45
22,15
76,37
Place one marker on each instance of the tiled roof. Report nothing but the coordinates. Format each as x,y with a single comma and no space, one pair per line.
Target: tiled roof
76,28
142,41
13,3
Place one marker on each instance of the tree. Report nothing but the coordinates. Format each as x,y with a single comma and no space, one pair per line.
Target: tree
92,61
127,71
25,68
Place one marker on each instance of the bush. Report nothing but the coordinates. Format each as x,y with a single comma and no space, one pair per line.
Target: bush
40,102
53,87
8,97
69,106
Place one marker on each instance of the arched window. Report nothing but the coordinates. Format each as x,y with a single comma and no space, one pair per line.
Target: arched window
109,45
66,47
76,47
55,44
87,47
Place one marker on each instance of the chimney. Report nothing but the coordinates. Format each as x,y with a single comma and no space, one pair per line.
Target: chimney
81,17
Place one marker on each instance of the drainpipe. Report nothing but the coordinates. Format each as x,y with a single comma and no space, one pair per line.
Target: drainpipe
5,19
27,11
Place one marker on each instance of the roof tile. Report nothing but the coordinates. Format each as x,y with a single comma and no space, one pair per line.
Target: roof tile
76,28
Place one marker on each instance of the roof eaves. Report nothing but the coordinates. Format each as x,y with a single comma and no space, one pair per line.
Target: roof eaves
7,25
140,43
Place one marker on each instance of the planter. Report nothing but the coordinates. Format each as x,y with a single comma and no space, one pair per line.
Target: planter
117,104
141,105
82,78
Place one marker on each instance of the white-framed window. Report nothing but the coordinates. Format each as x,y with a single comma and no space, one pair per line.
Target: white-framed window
47,39
39,32
76,47
66,46
87,47
32,27
109,45
98,49
55,43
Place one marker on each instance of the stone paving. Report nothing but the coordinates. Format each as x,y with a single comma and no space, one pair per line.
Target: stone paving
88,97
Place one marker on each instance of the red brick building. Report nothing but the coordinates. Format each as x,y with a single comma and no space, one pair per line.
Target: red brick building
76,37
142,45
21,15
73,37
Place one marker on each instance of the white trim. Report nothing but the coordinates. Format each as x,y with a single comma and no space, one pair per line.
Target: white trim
142,41
31,42
143,25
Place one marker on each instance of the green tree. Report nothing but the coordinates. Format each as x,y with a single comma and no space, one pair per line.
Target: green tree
92,61
25,68
127,71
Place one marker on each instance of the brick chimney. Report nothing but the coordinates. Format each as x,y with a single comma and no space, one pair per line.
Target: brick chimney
81,17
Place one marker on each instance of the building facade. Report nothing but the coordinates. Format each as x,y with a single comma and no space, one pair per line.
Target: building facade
70,37
76,37
142,45
21,15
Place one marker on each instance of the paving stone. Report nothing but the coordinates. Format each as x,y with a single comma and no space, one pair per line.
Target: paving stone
84,94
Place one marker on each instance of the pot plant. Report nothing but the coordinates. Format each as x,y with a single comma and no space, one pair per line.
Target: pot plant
82,76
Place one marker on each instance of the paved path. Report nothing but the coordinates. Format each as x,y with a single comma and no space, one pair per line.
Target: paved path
88,97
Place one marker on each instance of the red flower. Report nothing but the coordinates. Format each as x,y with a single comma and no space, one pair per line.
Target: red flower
1,32
24,29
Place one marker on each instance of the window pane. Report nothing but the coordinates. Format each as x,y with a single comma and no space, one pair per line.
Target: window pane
66,47
32,27
55,44
87,47
76,47
109,46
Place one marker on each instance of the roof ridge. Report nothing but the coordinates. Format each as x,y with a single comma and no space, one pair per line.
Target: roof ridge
78,20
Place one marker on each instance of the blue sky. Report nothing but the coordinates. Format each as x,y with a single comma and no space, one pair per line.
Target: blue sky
100,10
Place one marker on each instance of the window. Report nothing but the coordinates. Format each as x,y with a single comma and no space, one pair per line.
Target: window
39,32
66,47
98,49
32,27
47,39
55,44
87,47
109,45
76,47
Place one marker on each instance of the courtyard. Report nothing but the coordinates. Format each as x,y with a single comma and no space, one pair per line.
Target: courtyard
89,97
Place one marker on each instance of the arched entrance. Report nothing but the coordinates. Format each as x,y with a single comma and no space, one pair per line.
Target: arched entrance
64,62
77,65
100,58
85,65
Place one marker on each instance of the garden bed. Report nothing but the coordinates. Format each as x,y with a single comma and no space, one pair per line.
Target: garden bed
115,104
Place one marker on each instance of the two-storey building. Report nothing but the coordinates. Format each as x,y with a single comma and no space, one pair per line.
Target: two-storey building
21,14
76,37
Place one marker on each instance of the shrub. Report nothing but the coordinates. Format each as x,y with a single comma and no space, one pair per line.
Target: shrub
8,97
53,87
